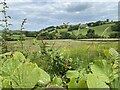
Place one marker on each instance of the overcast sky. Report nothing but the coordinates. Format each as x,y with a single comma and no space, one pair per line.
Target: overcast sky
44,13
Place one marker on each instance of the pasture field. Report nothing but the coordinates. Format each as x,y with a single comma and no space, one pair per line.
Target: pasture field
98,30
81,52
68,45
104,30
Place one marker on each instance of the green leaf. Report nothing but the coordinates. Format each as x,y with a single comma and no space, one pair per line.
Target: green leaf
57,81
72,83
72,74
44,77
27,75
82,84
114,53
94,81
98,71
19,56
9,66
106,52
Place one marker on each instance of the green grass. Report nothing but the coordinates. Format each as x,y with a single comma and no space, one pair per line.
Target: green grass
65,44
81,52
98,30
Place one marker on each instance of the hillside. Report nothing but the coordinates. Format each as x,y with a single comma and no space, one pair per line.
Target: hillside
100,29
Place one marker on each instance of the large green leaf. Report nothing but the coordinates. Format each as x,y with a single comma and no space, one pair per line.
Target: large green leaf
44,78
72,84
12,63
94,81
27,75
9,66
82,84
72,74
19,56
102,70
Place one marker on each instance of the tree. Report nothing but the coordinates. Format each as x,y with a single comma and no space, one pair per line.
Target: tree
114,35
90,33
65,35
116,27
73,27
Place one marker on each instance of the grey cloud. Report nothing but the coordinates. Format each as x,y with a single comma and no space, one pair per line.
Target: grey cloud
43,14
78,6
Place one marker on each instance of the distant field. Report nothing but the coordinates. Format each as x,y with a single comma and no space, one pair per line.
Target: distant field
98,30
86,50
65,43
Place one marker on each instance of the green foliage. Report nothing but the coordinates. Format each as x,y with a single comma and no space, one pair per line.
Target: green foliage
90,33
95,82
18,72
50,59
98,76
105,77
72,74
27,71
114,54
115,35
116,27
97,23
30,33
27,76
80,31
77,81
57,81
73,27
65,35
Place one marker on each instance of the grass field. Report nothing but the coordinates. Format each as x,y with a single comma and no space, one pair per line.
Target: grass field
68,44
71,48
98,30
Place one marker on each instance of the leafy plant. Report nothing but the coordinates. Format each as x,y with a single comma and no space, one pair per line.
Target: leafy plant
50,59
18,72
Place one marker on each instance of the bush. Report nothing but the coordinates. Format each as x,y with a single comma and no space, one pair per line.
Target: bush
65,35
116,27
114,35
90,33
73,27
